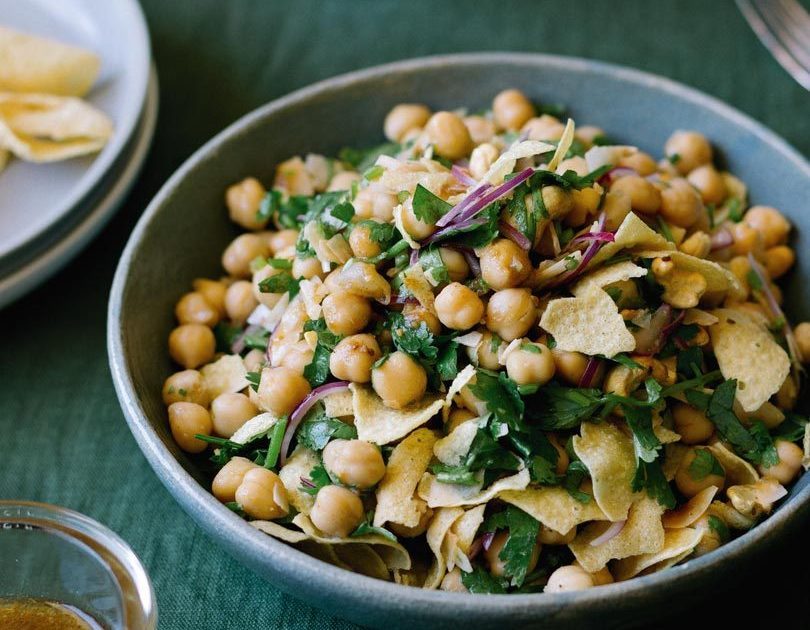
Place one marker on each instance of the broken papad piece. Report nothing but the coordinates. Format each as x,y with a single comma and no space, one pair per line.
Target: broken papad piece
609,274
382,425
277,530
440,525
396,493
747,352
438,494
589,323
226,375
554,507
642,533
718,278
298,465
676,543
633,232
609,457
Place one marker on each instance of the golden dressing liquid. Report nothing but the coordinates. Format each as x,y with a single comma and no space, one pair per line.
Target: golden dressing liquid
37,614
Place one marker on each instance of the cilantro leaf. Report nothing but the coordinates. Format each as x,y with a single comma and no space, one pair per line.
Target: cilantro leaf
270,205
416,341
623,359
254,378
767,451
574,475
280,283
482,582
362,159
719,526
431,260
792,427
561,407
516,208
325,337
720,411
649,476
427,207
517,552
318,428
645,443
318,478
225,335
367,529
317,371
381,233
458,475
704,465
447,362
501,396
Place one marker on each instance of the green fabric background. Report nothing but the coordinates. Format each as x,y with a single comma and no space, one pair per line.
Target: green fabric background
64,439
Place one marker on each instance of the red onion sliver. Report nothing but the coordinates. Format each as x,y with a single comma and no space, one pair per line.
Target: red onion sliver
486,540
615,173
450,228
610,533
414,258
591,251
306,482
319,393
239,343
513,234
720,239
667,330
492,195
462,175
462,205
590,372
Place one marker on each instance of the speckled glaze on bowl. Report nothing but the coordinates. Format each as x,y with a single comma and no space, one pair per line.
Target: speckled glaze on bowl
634,107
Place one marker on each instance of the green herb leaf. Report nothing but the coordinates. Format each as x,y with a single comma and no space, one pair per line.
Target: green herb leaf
720,412
623,359
447,362
367,529
645,442
253,378
427,207
501,396
649,476
704,465
280,283
735,210
482,582
517,552
431,260
574,475
561,407
362,159
416,341
276,438
318,478
792,427
719,526
458,475
270,205
317,429
318,369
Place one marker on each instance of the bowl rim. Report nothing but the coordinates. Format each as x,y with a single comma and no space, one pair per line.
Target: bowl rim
248,543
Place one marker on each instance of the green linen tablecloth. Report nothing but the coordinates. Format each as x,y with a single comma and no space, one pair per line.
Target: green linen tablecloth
64,439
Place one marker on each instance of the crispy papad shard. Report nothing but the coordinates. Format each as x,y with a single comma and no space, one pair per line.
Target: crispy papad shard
35,64
381,425
806,444
44,128
459,383
608,455
686,514
299,464
325,553
676,543
392,553
253,428
748,352
633,232
718,278
279,531
451,450
362,558
554,507
438,494
605,276
439,526
227,375
643,533
673,456
665,435
396,493
589,323
738,471
339,405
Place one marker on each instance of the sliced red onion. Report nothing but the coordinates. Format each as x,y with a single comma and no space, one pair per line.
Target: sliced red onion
513,234
778,314
306,482
486,540
610,533
667,330
414,257
465,203
615,173
475,548
402,300
439,234
591,251
492,195
319,393
462,175
605,237
720,239
586,380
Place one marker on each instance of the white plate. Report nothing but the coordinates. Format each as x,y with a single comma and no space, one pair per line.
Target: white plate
34,197
36,271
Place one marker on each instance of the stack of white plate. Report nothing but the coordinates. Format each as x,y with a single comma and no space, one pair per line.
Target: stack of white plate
49,212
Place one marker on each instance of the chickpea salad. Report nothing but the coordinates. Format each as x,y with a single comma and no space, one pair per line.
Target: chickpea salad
497,354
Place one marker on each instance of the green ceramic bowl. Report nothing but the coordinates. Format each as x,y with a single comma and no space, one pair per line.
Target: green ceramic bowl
634,107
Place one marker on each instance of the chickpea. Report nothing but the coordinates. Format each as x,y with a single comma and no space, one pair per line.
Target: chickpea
416,315
584,203
193,308
363,246
403,118
711,539
769,222
709,183
487,352
242,250
292,175
281,241
802,334
306,268
297,356
544,127
569,578
372,203
746,240
548,536
230,411
482,157
417,228
261,274
530,364
352,358
459,307
691,424
790,462
281,389
346,313
504,264
698,244
192,345
680,204
481,129
511,110
458,416
243,200
229,478
616,207
452,582
449,135
778,260
417,530
642,163
343,181
262,494
213,291
788,395
576,164
496,565
399,381
644,197
240,301
355,463
255,360
337,511
457,267
601,577
691,148
587,134
511,313
557,201
687,484
185,386
186,420
570,366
